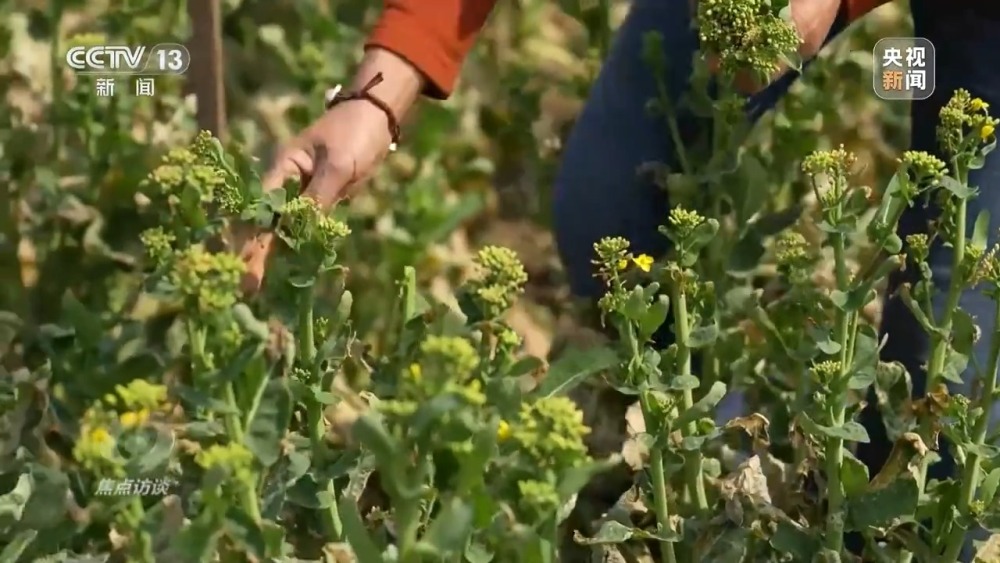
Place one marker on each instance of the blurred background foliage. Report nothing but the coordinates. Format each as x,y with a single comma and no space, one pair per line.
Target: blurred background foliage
475,169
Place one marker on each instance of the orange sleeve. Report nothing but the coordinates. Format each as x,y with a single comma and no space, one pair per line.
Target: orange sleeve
858,8
433,35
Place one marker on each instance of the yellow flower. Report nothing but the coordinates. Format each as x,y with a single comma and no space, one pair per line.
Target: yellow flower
622,264
503,431
133,419
979,105
986,131
416,373
644,262
99,436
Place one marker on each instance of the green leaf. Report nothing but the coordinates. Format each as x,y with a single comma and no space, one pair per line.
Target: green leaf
576,478
744,257
853,475
450,530
684,383
703,234
47,502
428,415
572,367
478,553
850,432
87,325
357,535
12,503
774,223
954,366
635,305
653,318
197,541
957,189
730,546
882,507
893,244
613,532
795,541
245,534
981,230
704,407
270,422
525,366
918,312
368,430
751,194
249,323
13,551
150,453
308,492
988,490
964,330
276,198
702,336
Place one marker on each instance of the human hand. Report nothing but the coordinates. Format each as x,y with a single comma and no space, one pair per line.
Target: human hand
337,152
813,20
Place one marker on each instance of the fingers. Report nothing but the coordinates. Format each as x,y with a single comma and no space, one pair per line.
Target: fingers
255,251
745,82
255,245
325,181
813,20
291,163
329,178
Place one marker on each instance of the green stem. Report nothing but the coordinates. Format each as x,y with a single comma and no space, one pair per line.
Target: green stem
971,472
658,480
671,117
838,396
197,341
142,548
942,340
314,410
234,429
408,518
942,337
693,464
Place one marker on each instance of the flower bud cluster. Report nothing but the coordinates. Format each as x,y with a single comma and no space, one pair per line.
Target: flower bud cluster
745,34
965,119
499,280
208,282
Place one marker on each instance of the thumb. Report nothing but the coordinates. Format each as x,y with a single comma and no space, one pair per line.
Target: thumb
256,244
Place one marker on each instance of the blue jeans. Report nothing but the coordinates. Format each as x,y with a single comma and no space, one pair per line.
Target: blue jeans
599,194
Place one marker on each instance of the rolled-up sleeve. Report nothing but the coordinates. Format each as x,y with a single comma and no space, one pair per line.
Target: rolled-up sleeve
435,36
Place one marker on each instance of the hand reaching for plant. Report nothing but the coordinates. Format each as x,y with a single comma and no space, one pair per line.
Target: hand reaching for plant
728,30
339,150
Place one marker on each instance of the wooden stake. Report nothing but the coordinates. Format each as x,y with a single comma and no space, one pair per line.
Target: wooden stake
207,72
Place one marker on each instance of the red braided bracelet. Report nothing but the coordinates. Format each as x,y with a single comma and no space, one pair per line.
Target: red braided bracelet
334,97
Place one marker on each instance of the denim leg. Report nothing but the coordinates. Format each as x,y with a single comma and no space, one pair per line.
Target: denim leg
598,192
965,40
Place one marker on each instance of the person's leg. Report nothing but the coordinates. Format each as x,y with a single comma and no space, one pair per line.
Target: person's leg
964,39
598,193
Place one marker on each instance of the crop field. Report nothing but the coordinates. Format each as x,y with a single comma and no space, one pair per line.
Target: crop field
414,382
